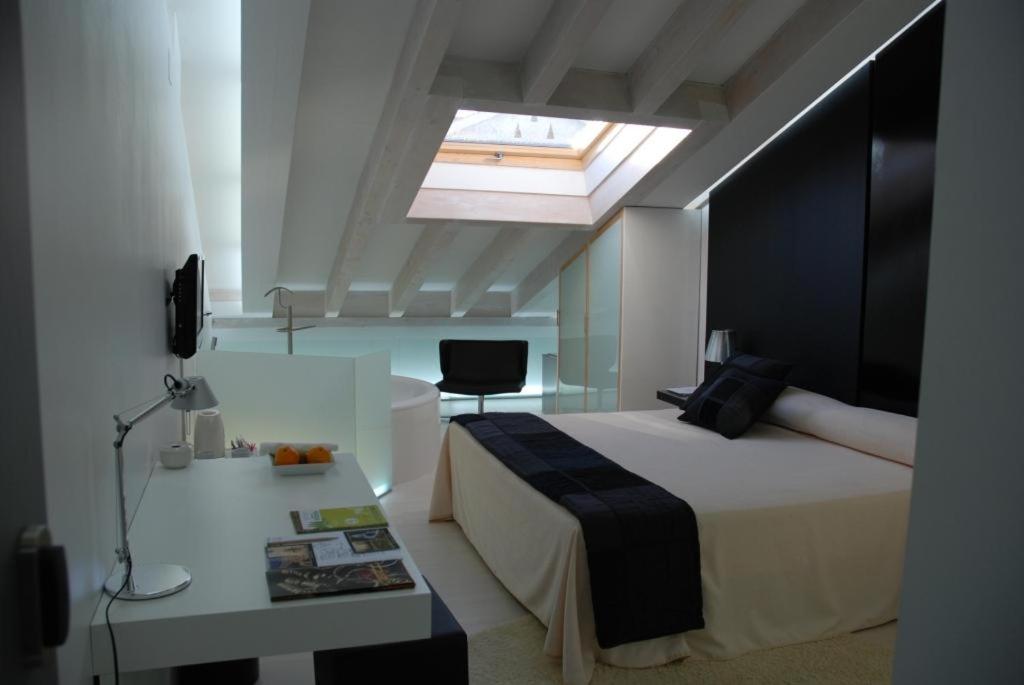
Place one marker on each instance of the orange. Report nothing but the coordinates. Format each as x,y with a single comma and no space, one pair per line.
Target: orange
318,455
286,455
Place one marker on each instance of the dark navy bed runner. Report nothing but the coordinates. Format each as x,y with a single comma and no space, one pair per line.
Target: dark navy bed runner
642,547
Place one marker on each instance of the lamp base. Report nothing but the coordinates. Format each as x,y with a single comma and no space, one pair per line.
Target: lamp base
149,581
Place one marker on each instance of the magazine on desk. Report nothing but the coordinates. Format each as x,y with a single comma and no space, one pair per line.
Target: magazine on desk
362,560
337,518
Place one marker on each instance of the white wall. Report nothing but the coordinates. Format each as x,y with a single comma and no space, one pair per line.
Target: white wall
210,36
962,617
661,256
112,216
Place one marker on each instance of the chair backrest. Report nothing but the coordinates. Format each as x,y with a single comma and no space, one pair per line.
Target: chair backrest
484,361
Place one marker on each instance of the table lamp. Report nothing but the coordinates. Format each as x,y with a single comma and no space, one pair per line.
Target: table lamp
721,346
148,581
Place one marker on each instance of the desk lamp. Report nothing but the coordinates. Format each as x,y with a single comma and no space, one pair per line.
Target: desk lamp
149,581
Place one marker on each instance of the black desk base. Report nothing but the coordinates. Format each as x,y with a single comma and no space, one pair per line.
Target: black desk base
441,658
238,672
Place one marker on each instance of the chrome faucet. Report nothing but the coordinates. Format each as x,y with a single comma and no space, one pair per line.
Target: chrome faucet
289,329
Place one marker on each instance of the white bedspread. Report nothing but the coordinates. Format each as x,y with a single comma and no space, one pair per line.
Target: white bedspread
801,539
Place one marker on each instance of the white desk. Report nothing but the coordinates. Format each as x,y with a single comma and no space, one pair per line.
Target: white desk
214,517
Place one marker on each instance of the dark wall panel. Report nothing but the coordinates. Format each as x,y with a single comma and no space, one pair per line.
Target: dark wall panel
786,244
904,116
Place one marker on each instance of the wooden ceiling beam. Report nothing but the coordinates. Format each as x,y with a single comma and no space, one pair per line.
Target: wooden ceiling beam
430,32
428,132
568,25
801,32
434,240
582,94
488,267
547,270
678,48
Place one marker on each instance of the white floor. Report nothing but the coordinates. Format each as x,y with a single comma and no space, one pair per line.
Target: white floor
458,574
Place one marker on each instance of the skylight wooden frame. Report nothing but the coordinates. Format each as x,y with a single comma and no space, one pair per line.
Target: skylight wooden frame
522,155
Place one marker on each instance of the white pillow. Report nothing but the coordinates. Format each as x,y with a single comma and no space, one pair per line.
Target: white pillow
883,434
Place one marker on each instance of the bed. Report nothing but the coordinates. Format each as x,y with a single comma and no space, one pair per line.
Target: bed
800,538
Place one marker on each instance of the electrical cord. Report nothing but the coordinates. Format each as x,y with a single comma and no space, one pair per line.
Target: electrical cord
106,614
172,384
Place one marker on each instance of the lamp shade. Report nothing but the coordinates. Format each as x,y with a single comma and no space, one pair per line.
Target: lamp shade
197,396
721,346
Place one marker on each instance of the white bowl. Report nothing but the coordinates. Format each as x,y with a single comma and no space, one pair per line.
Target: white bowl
177,455
301,469
268,448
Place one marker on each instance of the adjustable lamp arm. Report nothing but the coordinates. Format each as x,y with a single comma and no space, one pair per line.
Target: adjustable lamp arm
175,388
146,581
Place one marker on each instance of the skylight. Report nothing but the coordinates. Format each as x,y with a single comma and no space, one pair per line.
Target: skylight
491,128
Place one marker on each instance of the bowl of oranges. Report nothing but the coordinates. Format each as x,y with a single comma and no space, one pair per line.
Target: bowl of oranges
299,458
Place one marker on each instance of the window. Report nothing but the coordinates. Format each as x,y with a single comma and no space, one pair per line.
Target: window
533,140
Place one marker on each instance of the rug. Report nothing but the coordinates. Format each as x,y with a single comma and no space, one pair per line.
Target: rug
513,654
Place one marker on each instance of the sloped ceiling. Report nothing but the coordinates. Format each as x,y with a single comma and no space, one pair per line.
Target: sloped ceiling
351,52
318,78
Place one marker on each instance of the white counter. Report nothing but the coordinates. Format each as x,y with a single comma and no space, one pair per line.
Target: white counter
214,517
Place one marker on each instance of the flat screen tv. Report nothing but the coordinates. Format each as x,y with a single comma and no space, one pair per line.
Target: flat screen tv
187,297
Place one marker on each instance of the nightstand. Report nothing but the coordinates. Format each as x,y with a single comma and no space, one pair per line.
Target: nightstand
676,396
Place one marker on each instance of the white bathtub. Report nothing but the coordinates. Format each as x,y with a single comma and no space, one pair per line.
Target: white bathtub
415,427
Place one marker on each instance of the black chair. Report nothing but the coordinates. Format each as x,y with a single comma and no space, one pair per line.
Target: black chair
482,367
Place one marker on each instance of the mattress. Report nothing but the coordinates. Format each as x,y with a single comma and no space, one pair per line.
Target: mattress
801,539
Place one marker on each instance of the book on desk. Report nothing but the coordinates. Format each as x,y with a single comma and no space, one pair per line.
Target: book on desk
299,582
337,551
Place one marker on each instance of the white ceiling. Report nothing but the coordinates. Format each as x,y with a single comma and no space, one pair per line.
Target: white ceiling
350,57
273,44
867,28
318,89
389,247
623,33
499,30
751,30
541,243
446,269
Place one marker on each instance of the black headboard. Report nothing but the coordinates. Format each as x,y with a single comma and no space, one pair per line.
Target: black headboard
818,247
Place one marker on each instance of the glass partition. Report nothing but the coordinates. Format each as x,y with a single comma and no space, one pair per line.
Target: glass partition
572,336
412,346
604,275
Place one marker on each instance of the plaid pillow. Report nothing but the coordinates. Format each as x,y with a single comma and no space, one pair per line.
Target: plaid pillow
733,401
762,367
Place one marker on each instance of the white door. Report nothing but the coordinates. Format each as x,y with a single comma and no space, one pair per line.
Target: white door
33,586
